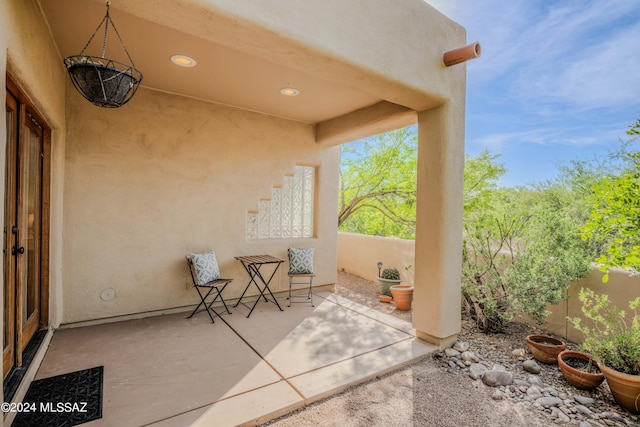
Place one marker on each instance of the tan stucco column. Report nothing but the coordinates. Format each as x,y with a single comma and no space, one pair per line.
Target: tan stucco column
438,257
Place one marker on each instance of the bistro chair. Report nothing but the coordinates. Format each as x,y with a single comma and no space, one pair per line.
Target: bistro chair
301,272
205,274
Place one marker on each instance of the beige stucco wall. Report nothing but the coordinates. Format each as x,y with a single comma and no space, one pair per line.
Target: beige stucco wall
621,289
359,254
164,176
33,63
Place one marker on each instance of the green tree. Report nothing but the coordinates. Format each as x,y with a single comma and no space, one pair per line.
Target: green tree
615,217
481,175
523,252
378,185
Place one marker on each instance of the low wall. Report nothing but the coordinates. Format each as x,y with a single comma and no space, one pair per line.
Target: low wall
621,289
358,254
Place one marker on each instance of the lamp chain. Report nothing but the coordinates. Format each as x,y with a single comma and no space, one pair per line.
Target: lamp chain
106,20
106,28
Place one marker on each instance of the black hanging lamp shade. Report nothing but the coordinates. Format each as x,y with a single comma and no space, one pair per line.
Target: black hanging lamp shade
104,82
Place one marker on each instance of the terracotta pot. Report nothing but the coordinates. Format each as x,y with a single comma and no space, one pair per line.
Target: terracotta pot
544,348
624,387
578,378
385,285
402,296
384,298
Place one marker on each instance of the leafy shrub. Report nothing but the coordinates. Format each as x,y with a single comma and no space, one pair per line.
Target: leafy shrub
613,341
616,215
522,255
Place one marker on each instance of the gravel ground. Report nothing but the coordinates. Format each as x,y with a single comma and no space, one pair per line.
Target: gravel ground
366,293
431,393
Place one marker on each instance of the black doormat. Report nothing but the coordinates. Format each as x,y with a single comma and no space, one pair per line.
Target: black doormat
63,400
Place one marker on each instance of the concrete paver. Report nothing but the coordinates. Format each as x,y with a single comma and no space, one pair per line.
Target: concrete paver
169,370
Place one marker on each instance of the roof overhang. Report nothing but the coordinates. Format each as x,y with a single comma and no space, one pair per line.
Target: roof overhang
351,61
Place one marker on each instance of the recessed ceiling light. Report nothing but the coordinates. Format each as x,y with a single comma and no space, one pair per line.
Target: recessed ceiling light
289,91
183,60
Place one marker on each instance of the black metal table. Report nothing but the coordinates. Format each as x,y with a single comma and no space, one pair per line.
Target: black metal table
252,264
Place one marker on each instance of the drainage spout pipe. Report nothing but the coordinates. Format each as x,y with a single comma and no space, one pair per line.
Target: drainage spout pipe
462,54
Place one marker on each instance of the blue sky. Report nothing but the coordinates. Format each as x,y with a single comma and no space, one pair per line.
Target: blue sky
557,80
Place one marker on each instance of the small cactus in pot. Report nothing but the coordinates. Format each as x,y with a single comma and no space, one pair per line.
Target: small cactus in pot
391,274
389,277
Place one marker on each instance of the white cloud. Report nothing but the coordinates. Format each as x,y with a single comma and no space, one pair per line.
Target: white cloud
582,54
587,61
497,142
557,80
574,136
606,73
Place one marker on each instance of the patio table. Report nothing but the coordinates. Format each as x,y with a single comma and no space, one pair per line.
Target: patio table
252,265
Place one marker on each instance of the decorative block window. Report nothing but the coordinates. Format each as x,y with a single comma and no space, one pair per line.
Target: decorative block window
289,212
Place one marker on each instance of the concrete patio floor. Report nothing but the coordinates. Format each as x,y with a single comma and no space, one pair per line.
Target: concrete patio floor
173,371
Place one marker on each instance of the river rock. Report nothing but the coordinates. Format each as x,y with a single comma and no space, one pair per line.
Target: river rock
521,382
450,352
461,346
559,416
535,380
477,371
518,352
583,410
549,401
534,392
531,366
583,400
469,356
496,378
612,416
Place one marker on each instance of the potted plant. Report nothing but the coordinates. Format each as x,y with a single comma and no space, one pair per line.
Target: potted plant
615,343
545,348
580,369
402,296
388,277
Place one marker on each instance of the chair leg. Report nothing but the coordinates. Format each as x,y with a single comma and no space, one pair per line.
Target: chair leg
208,307
203,302
219,291
309,294
224,303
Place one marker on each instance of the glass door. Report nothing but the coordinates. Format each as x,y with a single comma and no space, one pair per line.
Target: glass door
9,335
22,250
27,248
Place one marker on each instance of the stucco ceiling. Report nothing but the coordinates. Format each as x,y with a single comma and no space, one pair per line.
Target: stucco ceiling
223,75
